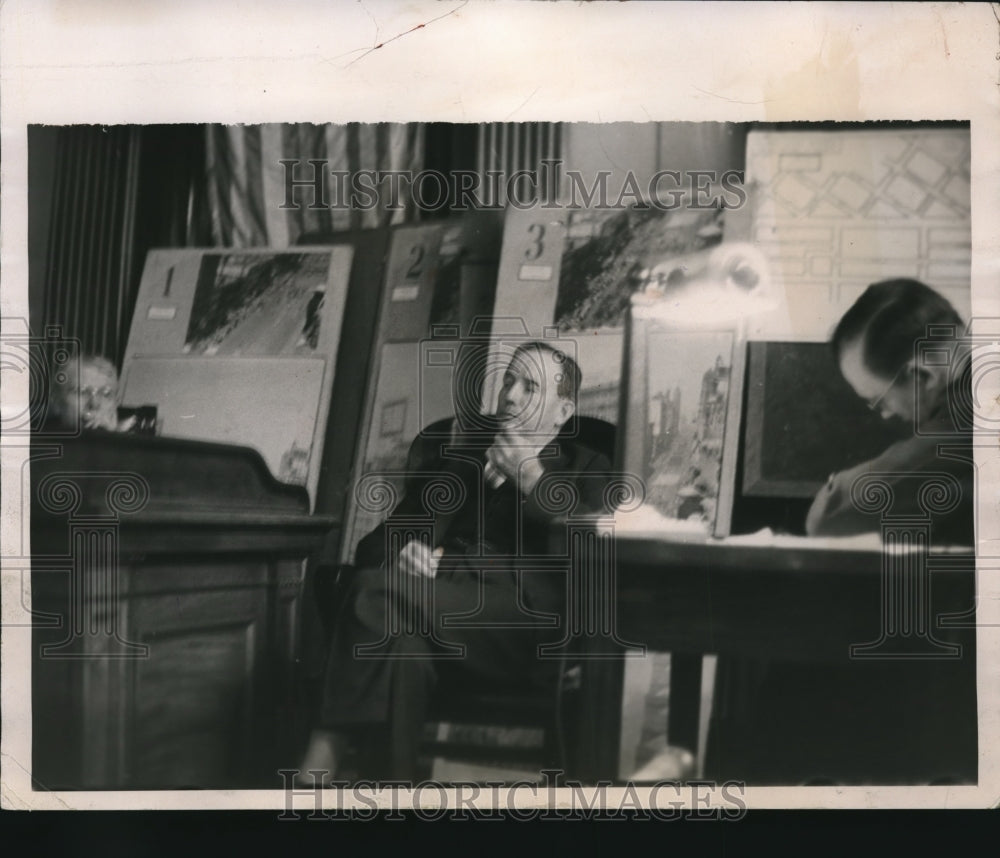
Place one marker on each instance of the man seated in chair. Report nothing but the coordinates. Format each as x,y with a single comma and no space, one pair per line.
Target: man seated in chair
398,630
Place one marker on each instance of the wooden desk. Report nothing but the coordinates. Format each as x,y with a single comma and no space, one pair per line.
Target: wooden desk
766,605
166,581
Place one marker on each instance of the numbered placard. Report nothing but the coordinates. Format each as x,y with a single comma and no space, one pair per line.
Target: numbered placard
439,289
571,271
239,346
411,276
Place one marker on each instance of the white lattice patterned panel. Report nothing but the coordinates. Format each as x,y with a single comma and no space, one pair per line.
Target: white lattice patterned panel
836,210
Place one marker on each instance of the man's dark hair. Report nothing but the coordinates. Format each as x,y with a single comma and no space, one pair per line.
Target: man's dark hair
569,384
888,319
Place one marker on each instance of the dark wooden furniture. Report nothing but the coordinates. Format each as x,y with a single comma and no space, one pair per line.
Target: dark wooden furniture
796,616
166,580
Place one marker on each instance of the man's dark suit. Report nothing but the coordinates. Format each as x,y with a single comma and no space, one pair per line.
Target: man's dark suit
482,573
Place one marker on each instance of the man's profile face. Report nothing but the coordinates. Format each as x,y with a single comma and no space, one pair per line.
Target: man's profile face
529,399
889,397
91,401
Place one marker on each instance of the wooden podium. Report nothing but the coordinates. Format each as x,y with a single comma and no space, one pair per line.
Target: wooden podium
165,591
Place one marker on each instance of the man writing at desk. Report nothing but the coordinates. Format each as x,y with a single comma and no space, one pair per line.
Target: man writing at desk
874,347
884,720
505,515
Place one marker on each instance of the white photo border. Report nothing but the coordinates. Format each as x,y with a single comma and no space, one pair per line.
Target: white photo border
113,61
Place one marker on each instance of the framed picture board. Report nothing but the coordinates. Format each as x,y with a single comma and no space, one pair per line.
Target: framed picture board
239,346
437,294
803,421
681,414
570,271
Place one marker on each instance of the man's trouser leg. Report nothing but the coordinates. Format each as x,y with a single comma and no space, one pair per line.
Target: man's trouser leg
390,683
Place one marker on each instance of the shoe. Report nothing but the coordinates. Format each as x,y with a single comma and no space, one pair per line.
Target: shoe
322,757
670,763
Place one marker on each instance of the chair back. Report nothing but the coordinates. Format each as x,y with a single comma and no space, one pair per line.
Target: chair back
593,432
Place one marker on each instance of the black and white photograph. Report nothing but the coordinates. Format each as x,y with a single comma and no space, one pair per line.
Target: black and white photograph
250,305
495,454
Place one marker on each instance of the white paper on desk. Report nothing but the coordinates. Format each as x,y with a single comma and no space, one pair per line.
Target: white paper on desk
770,539
647,521
858,542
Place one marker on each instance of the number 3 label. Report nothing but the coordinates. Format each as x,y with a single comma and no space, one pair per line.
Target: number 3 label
537,246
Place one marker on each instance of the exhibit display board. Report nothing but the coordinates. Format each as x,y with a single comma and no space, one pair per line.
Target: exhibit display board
681,414
437,297
834,212
570,271
803,421
240,346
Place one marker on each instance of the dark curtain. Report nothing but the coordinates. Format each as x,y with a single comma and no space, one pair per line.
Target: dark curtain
99,197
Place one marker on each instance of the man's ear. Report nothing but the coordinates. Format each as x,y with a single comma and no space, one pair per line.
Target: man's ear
567,408
930,380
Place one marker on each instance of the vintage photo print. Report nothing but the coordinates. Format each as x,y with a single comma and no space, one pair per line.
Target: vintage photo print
549,407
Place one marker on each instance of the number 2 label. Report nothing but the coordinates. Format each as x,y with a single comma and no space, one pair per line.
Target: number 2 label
416,264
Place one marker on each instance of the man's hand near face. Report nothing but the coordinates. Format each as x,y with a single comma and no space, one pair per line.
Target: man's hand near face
516,457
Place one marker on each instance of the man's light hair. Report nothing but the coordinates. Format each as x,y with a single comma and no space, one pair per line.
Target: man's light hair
64,381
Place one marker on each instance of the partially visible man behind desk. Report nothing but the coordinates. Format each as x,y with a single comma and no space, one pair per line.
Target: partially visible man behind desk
885,720
384,697
84,395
